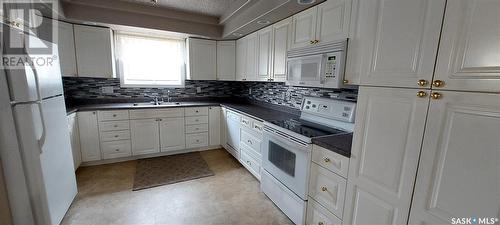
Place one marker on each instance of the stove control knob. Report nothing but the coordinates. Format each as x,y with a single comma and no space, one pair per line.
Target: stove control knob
307,107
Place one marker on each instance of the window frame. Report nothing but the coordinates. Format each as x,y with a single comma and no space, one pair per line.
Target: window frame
119,68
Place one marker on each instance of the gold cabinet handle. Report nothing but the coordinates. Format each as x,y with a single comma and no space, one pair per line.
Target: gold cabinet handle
438,83
436,95
321,223
422,83
324,189
421,94
316,41
311,42
346,81
326,159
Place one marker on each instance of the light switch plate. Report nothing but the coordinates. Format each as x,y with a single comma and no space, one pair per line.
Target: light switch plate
198,89
107,90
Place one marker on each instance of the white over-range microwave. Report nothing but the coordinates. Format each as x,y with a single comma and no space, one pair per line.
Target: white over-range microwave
317,66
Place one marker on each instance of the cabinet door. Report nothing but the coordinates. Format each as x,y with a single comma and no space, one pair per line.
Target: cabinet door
226,62
94,51
252,56
459,173
282,31
214,125
304,28
202,59
469,51
333,20
386,146
144,136
75,139
265,53
89,136
223,127
66,45
172,134
393,42
241,59
233,133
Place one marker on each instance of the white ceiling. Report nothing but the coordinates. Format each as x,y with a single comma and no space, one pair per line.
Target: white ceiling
204,7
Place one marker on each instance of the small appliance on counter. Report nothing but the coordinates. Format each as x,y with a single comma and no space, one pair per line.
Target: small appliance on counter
287,151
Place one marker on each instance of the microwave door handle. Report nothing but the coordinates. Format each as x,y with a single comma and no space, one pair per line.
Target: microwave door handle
322,75
41,139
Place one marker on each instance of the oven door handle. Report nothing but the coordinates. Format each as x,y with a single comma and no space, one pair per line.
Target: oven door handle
281,140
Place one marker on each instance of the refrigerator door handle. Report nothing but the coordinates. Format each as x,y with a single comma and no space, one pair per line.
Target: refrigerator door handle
41,139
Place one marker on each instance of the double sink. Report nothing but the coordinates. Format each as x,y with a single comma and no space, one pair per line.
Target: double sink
141,104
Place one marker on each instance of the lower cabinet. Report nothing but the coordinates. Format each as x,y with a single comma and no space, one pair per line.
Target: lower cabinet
115,149
233,133
74,135
317,214
214,115
89,136
172,135
145,136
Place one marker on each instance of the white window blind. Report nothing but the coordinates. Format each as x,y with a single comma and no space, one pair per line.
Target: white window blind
150,61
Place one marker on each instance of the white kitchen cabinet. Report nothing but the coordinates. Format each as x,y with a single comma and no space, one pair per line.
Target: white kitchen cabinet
66,47
393,42
75,139
458,174
469,50
226,60
172,134
325,23
304,28
144,136
233,133
265,50
223,127
89,136
94,51
252,44
386,147
214,125
241,59
201,59
281,44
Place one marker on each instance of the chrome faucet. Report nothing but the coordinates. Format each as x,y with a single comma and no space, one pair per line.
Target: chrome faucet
168,95
156,101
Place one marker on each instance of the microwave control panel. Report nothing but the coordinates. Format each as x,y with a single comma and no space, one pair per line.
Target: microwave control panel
332,61
333,70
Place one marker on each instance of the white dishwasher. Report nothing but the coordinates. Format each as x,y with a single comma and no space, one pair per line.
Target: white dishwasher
233,133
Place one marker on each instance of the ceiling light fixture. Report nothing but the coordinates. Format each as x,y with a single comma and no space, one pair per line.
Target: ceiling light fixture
237,34
306,2
263,22
154,2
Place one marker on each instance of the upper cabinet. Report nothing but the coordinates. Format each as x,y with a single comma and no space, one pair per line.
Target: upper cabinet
469,51
241,59
324,23
94,51
66,46
226,62
252,45
281,44
201,59
265,63
394,42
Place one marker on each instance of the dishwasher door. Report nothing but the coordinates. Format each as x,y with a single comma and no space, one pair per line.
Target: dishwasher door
233,133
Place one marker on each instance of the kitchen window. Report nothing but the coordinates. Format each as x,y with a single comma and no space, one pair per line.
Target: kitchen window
150,61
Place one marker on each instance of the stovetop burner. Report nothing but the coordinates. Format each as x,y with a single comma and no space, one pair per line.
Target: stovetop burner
306,128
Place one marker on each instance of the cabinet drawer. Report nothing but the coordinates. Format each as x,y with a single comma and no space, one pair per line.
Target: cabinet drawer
196,120
334,162
115,135
258,127
251,141
250,163
328,189
233,116
197,128
114,125
197,140
196,111
166,113
246,122
317,214
116,149
112,115
142,114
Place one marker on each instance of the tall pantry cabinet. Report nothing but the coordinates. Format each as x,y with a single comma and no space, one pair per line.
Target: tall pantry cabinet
425,148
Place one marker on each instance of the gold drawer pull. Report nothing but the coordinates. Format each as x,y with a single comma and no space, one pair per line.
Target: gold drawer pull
422,83
326,160
421,94
438,83
114,115
436,95
324,189
321,223
117,150
115,126
117,136
249,141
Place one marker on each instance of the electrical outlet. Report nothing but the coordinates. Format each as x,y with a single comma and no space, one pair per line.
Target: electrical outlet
198,89
107,90
250,91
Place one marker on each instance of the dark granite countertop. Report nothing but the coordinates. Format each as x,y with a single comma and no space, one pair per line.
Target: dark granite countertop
258,110
340,143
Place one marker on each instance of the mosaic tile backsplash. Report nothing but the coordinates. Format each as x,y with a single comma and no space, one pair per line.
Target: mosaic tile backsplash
275,93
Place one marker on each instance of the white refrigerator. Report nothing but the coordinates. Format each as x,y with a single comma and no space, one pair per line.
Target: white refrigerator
35,145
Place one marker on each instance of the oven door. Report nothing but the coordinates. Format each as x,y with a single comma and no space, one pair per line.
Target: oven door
287,161
306,71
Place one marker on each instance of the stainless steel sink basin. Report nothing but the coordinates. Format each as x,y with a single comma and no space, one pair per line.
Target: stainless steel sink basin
153,104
